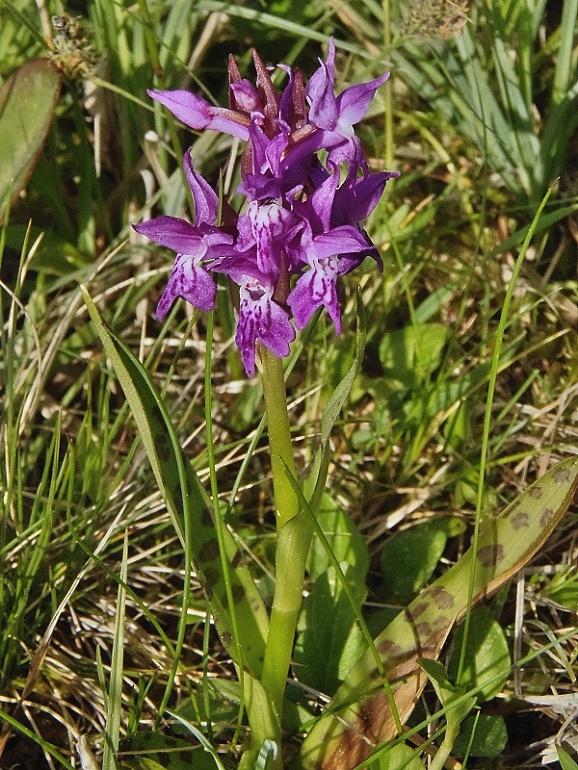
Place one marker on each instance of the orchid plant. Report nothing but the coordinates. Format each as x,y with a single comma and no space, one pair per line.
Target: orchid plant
308,190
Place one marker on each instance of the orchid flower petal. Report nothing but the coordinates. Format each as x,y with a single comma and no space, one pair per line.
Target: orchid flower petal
174,233
260,318
205,198
196,112
190,281
353,103
316,288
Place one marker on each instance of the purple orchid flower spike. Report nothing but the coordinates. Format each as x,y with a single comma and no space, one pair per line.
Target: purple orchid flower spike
308,189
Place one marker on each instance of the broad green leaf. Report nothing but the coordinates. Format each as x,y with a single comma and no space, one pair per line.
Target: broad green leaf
411,354
329,641
347,543
487,655
359,716
28,100
490,736
566,761
143,763
410,557
399,758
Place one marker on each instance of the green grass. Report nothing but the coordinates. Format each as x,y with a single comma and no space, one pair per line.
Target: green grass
468,119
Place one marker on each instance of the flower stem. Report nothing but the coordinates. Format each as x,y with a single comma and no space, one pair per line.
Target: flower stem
294,532
286,502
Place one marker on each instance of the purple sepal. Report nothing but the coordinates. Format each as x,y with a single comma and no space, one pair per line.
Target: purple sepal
196,112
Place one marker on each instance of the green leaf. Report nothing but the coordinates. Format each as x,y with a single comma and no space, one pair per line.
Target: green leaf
188,504
143,763
114,700
490,736
565,72
487,655
347,543
566,761
27,103
222,697
401,757
435,302
339,395
410,557
452,698
154,751
330,641
208,747
411,354
344,734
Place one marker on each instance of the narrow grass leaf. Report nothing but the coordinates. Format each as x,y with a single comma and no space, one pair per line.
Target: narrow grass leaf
456,708
566,761
200,737
565,72
31,735
114,700
339,395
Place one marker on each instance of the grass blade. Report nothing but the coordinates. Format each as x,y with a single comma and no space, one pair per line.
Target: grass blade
114,700
189,507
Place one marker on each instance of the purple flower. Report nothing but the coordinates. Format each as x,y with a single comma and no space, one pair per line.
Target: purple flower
308,189
323,253
261,318
196,245
336,115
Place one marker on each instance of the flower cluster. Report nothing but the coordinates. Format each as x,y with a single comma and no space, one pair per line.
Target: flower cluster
308,189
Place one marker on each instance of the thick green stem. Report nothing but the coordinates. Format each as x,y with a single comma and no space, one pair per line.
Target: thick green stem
286,502
294,537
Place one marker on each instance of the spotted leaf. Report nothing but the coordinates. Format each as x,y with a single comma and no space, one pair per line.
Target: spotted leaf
359,716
